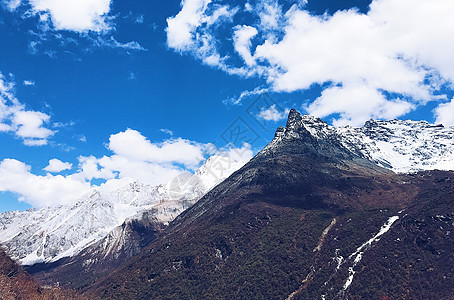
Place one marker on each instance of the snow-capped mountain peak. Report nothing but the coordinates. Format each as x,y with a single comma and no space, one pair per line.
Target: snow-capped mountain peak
401,146
51,233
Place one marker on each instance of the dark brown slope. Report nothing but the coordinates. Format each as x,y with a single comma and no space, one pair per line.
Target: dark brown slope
102,257
278,227
16,284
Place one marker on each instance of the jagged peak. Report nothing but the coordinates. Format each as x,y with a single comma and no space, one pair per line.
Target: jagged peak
304,126
294,118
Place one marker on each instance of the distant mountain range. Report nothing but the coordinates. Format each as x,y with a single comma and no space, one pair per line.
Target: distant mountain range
48,234
320,213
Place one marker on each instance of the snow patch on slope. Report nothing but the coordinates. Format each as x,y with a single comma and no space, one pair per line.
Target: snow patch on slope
358,254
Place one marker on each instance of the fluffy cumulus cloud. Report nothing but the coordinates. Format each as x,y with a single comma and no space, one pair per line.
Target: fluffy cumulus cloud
180,28
39,191
381,64
56,166
445,113
190,29
273,114
28,125
133,157
75,15
133,145
349,103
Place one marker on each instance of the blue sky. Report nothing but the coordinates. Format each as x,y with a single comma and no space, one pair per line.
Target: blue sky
101,91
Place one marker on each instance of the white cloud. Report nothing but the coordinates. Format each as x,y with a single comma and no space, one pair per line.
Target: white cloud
39,191
190,30
89,169
444,113
16,119
355,104
133,157
12,5
29,125
75,15
180,28
144,171
347,48
29,82
243,154
131,144
272,114
100,41
270,13
35,142
169,132
398,53
246,94
56,166
242,42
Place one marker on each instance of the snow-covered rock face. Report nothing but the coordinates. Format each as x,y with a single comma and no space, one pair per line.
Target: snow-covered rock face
401,146
49,234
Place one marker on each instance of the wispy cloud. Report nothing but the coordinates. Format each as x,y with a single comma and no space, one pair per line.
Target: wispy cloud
139,19
28,125
57,21
246,94
111,42
29,82
169,132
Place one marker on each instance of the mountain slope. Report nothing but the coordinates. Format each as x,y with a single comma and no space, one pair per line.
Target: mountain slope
300,221
103,256
16,284
49,234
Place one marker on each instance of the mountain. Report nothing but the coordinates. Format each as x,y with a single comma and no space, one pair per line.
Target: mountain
314,215
50,234
103,256
16,284
403,146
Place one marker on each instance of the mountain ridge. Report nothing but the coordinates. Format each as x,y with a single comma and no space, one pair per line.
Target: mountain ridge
299,221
